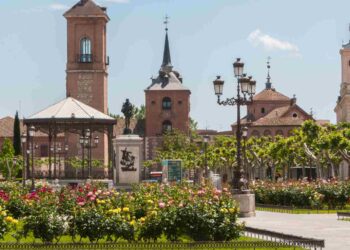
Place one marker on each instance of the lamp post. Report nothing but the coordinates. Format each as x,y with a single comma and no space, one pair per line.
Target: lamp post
245,163
31,136
86,142
206,140
245,91
24,174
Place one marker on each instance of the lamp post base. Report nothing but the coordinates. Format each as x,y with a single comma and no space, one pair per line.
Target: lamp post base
246,201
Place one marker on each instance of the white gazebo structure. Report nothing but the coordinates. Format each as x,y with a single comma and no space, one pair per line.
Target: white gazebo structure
68,117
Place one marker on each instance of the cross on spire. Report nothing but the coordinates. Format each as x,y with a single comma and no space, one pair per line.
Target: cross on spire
166,22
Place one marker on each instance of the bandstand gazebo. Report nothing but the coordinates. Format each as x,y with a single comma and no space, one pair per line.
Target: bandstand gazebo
69,117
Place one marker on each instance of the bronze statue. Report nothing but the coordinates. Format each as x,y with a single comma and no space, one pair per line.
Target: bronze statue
128,111
128,161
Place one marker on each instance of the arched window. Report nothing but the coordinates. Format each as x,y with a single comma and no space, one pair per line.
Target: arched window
267,133
279,132
262,110
85,50
256,133
167,126
166,104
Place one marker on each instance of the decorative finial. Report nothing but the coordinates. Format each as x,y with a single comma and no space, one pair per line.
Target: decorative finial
166,22
311,112
268,83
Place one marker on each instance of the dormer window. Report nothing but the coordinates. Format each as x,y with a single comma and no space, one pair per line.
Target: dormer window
85,50
166,104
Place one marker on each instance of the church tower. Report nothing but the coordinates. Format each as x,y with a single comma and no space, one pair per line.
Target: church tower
167,103
343,103
87,61
87,67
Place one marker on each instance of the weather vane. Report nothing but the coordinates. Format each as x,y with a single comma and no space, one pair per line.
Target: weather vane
166,22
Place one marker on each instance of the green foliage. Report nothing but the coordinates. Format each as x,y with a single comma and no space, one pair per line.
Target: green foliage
89,224
46,225
303,194
9,165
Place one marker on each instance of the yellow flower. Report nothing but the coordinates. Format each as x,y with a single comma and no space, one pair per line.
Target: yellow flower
9,219
223,210
3,213
149,201
126,209
232,210
142,219
100,201
132,222
154,212
115,211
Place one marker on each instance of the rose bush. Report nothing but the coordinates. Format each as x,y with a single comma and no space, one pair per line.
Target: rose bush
149,212
319,194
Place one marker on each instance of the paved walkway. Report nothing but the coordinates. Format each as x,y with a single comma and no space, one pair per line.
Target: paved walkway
336,233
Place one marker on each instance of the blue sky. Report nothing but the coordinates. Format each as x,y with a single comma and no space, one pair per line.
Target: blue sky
303,39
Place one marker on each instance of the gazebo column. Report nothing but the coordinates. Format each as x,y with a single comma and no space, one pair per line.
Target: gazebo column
50,160
54,152
110,152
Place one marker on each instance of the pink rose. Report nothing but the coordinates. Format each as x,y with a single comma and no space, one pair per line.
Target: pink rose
161,204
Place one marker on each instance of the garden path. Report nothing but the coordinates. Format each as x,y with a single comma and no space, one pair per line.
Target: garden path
320,226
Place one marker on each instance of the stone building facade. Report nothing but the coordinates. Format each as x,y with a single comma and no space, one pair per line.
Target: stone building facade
87,64
167,104
342,108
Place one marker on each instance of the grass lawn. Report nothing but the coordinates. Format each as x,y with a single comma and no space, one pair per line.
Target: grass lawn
67,239
301,210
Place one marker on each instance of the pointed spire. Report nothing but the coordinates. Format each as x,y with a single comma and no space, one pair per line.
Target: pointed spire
166,65
268,83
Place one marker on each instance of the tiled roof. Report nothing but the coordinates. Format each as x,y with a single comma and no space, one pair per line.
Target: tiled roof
86,8
276,118
6,128
167,81
270,95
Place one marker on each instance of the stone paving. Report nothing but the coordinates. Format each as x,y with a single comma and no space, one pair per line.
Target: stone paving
336,233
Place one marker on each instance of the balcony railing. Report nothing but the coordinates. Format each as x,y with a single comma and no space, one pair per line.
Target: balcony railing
85,58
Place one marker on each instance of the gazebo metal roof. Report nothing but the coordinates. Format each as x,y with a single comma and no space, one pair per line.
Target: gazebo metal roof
70,110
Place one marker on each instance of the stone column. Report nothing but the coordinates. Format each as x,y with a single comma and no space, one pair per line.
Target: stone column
128,159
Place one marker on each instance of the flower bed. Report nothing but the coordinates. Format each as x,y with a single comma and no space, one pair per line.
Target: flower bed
148,213
302,194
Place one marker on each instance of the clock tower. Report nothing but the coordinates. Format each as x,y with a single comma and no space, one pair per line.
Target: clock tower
87,62
87,67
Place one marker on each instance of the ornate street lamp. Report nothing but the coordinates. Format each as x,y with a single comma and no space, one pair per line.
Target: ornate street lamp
24,169
245,92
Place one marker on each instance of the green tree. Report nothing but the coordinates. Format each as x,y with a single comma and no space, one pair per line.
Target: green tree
17,135
9,164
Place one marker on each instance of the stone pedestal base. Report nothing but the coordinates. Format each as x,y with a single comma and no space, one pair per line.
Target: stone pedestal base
246,202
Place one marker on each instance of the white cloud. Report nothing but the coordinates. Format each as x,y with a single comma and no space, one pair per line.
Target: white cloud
58,6
268,42
117,1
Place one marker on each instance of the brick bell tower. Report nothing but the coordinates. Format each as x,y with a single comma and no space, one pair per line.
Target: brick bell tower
87,64
167,103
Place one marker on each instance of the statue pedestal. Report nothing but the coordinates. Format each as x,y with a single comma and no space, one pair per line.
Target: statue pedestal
128,159
246,202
